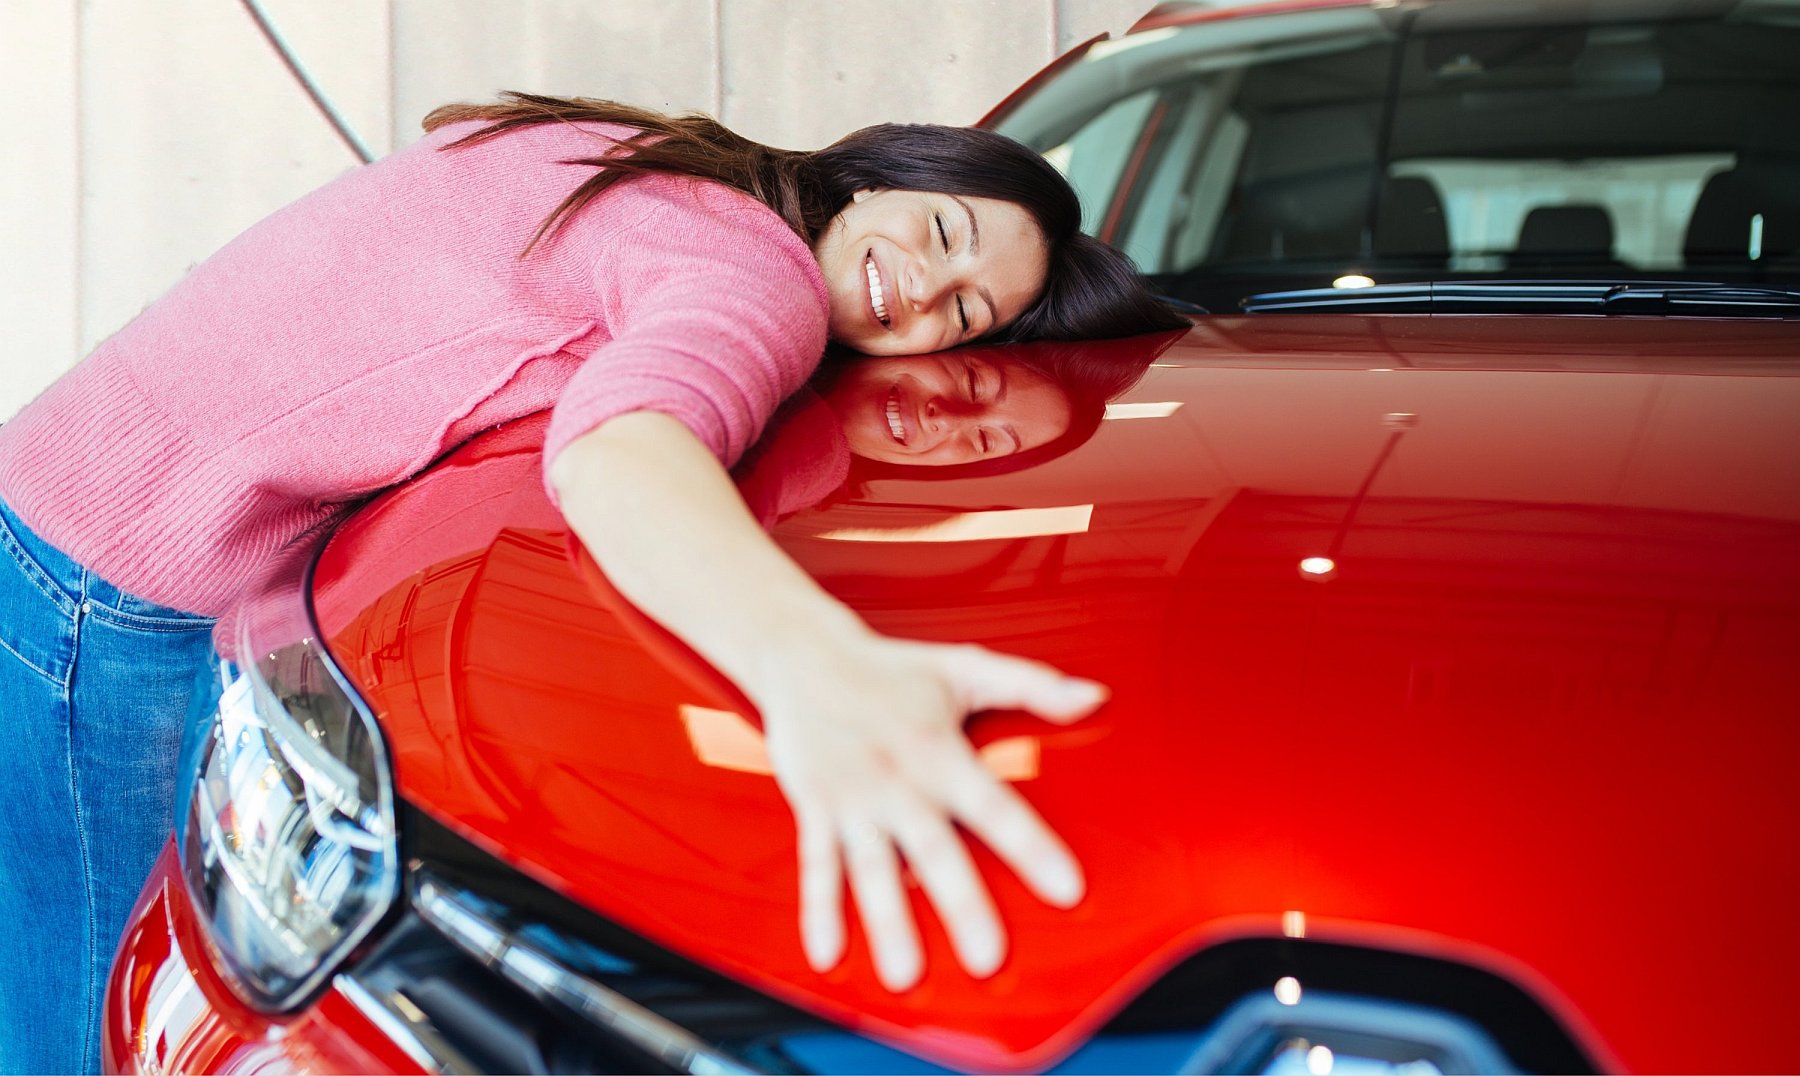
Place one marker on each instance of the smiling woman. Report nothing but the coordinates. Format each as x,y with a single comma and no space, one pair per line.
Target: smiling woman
660,285
939,269
952,408
981,410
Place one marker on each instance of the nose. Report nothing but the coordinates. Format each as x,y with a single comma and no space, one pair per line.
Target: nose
927,284
948,415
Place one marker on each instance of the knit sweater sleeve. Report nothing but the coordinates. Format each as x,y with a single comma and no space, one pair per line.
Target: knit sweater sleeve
716,312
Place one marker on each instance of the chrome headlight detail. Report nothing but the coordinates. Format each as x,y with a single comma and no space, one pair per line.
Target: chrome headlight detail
286,832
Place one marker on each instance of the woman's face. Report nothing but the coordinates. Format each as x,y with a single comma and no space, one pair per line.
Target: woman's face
947,408
912,272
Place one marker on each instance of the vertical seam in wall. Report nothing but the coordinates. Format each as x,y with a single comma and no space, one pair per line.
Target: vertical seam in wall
1055,29
393,97
717,11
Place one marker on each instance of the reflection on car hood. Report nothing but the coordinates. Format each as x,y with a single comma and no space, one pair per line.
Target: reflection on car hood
1537,712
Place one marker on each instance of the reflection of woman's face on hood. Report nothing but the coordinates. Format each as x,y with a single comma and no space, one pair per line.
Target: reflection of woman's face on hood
946,408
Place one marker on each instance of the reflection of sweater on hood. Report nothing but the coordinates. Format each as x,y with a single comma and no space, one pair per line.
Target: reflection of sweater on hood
799,462
464,505
347,340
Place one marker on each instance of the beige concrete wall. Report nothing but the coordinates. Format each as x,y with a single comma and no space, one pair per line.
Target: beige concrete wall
39,187
143,136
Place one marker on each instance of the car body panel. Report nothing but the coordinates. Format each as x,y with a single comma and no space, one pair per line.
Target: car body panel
1538,718
167,1010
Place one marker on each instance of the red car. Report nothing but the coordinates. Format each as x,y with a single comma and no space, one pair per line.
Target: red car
1446,577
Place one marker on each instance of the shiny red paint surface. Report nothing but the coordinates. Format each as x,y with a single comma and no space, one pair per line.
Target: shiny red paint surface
1540,719
168,1011
1178,14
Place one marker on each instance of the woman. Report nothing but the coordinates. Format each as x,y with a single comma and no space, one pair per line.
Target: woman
500,267
935,417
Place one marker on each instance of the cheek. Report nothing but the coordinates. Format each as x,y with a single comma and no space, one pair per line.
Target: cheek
859,405
1042,417
858,436
871,442
844,298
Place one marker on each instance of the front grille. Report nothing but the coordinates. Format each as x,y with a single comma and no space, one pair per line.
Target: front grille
489,971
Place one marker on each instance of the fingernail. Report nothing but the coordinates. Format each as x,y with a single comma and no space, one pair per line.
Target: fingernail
984,953
1064,886
821,948
899,972
1083,691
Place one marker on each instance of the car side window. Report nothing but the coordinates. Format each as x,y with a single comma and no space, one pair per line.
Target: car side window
1195,219
1096,156
1162,195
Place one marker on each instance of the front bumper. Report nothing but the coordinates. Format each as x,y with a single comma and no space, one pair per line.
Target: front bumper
167,1010
453,982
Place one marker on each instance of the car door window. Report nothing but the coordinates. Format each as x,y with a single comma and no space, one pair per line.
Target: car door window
1095,157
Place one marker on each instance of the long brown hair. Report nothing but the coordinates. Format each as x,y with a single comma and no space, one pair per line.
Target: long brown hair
1091,290
690,145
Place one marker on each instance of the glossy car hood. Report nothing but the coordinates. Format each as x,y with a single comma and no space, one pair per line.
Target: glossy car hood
1539,716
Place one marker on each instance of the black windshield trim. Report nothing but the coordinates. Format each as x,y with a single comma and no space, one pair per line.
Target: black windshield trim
1665,298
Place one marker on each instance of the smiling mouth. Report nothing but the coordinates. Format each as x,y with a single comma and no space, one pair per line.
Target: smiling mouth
877,298
895,426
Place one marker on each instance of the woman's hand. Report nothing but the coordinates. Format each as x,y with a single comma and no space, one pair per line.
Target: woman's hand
868,746
865,732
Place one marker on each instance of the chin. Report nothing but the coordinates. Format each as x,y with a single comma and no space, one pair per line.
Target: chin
871,441
862,450
871,343
856,336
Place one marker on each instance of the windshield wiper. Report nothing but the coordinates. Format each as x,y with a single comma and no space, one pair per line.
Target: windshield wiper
1667,298
1182,305
1703,300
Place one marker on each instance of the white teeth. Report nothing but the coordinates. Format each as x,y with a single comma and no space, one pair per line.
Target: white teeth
895,426
876,298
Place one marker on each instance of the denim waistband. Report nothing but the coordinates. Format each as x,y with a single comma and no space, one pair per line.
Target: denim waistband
50,566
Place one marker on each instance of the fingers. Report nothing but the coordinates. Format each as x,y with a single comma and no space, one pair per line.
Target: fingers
941,862
990,681
995,812
891,778
821,891
945,870
881,899
990,808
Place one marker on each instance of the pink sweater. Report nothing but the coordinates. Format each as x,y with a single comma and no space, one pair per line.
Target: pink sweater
344,342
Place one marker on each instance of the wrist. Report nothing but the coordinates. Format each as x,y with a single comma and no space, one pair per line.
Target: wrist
800,645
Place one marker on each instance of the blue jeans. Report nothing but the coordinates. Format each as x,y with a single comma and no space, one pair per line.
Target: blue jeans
94,686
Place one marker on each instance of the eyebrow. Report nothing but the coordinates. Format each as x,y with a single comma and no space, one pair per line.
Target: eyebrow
975,248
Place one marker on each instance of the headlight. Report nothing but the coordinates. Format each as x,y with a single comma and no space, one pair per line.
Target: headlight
286,831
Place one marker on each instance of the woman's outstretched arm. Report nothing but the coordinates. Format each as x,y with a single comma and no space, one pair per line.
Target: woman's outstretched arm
864,731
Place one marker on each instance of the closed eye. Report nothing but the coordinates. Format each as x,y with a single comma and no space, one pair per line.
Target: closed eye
962,313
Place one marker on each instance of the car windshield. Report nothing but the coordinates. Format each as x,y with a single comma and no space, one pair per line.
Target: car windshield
1462,140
